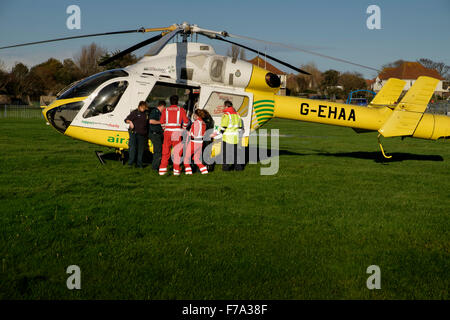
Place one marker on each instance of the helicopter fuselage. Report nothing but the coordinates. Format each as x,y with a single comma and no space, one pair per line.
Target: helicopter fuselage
94,109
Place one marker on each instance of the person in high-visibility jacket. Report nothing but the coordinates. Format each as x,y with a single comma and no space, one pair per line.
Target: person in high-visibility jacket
194,145
231,127
173,120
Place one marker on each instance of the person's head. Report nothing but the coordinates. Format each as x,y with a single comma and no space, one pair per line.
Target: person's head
228,104
174,100
142,106
202,114
161,104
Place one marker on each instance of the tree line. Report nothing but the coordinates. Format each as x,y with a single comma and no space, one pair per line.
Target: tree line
335,84
330,83
23,84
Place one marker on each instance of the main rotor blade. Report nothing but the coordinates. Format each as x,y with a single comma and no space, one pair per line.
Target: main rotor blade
157,47
266,55
303,50
77,37
130,49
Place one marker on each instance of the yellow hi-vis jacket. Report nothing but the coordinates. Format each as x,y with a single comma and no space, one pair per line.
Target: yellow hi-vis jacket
231,125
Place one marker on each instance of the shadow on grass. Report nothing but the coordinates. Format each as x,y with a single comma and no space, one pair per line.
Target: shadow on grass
113,156
378,157
264,154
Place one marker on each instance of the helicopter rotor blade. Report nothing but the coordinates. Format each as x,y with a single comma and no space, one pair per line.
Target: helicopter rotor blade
303,50
261,53
157,47
130,49
142,30
77,37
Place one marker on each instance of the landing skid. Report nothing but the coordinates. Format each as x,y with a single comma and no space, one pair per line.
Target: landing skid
99,155
381,147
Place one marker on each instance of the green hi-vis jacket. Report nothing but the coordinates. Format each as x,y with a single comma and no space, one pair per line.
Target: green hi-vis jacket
230,126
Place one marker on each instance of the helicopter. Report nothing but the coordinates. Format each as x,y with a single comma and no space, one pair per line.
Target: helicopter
94,109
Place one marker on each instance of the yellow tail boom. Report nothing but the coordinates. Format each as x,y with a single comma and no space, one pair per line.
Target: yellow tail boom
407,118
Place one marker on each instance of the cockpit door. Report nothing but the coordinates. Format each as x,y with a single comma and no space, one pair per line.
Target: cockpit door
110,104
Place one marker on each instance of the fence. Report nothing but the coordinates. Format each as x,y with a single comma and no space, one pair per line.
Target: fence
29,112
20,112
441,107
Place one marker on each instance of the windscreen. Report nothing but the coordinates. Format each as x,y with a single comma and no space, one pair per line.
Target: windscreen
88,85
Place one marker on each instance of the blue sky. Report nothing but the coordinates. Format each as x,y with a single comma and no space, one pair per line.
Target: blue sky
410,29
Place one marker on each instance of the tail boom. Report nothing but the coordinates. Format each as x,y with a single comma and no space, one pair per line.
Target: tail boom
328,112
406,119
433,127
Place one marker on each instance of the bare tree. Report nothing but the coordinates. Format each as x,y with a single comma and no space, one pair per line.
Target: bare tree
394,64
87,59
315,78
4,76
2,66
440,67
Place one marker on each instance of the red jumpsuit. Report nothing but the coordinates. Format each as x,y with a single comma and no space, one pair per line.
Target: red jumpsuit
173,121
194,146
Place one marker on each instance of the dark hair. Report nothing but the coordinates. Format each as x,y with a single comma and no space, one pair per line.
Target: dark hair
174,99
228,103
161,103
202,113
142,103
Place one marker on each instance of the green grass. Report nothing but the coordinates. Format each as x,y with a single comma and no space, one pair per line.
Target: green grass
308,232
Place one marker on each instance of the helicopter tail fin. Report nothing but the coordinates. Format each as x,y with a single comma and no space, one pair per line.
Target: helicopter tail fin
406,116
416,99
389,93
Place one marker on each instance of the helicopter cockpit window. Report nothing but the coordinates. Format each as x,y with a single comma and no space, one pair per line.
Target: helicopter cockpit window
107,99
61,117
88,85
214,105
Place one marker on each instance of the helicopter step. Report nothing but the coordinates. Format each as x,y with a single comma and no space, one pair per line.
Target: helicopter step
99,155
118,155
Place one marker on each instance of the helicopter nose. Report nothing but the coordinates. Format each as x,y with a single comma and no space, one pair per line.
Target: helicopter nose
61,113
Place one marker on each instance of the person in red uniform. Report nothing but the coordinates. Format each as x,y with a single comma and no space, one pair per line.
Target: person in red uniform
195,143
173,121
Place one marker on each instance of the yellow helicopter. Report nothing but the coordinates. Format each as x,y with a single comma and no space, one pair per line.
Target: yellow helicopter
94,109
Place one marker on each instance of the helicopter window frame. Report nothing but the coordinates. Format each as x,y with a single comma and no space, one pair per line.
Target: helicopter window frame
216,110
93,109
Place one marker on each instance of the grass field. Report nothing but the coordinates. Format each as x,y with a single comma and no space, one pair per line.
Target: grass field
308,232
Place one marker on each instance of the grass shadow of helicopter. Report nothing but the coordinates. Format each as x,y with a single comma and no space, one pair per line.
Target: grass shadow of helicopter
365,155
114,156
263,154
378,157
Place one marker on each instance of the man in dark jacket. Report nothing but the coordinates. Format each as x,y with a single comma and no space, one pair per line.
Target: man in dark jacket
156,133
138,130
